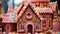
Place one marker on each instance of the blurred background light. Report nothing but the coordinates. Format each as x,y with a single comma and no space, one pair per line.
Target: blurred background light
17,2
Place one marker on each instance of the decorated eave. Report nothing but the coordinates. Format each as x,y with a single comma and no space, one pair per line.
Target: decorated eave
39,0
22,9
18,9
43,10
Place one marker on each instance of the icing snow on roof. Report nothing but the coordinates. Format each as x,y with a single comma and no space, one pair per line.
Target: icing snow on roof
9,17
43,10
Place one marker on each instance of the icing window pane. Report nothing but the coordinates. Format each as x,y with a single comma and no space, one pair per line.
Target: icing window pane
37,27
22,27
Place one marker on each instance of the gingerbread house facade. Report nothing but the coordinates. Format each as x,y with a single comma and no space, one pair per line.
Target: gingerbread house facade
29,20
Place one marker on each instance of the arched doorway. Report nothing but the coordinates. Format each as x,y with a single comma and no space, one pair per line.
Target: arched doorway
30,29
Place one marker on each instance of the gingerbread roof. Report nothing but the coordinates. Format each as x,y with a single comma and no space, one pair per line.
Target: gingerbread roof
23,10
39,0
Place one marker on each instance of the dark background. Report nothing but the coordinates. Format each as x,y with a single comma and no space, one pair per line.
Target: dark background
58,2
52,0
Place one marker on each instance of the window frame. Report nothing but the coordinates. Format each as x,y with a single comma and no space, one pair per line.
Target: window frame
37,27
44,22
